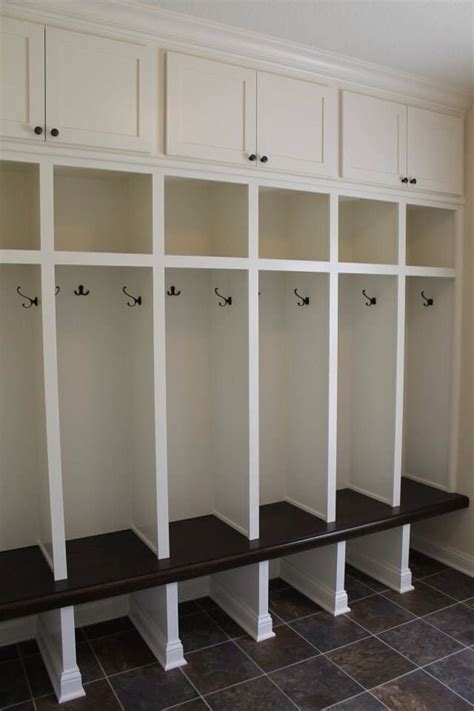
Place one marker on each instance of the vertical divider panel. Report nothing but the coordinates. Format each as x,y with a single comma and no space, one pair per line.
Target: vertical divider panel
253,344
159,345
456,363
50,364
333,355
400,364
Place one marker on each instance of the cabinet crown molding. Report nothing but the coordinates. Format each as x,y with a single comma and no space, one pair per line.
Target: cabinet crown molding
179,31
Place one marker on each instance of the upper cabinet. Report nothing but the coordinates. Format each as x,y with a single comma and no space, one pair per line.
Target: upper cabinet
297,124
21,78
393,144
222,112
98,90
435,151
211,109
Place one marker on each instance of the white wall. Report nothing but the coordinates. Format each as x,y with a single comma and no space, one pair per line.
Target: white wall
207,393
294,390
452,537
105,356
24,496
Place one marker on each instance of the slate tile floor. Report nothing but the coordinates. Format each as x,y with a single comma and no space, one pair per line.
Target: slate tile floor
412,651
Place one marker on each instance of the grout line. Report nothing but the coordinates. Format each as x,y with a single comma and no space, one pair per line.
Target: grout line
200,696
27,678
441,592
104,673
446,685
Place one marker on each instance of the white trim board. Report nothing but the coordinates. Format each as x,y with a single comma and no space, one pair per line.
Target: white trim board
445,554
137,19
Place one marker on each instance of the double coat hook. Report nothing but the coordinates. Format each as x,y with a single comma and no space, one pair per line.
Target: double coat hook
371,300
303,300
426,301
226,300
172,291
80,291
135,299
30,302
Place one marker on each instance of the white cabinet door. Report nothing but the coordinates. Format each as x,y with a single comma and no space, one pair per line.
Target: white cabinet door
21,79
211,109
373,139
98,91
297,125
435,151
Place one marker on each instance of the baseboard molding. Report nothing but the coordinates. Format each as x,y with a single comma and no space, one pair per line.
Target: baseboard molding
370,494
427,482
391,576
334,602
259,627
445,554
67,683
101,610
231,523
192,589
303,507
18,630
144,538
169,654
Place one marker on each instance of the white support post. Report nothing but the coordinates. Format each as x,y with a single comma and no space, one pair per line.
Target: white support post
319,574
384,556
400,358
159,347
254,365
243,594
57,643
55,550
457,336
333,357
155,615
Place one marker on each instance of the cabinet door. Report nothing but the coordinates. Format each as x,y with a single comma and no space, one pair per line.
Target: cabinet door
211,109
373,139
297,124
21,79
435,151
98,91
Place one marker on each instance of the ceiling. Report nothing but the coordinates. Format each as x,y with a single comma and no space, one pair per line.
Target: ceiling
433,38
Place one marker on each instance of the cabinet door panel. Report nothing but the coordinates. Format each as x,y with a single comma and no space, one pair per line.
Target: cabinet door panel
21,78
435,150
373,139
297,124
98,91
211,109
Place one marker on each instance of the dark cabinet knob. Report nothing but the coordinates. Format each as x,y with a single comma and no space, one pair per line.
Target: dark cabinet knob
252,157
54,132
413,181
404,180
38,130
264,159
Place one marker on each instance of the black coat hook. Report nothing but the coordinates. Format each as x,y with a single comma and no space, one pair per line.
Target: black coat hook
426,301
80,291
31,302
303,300
135,299
371,300
57,290
172,291
227,299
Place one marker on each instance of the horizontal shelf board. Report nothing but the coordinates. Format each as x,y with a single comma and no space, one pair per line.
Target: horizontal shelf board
442,272
20,256
360,268
185,262
292,265
103,259
120,563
